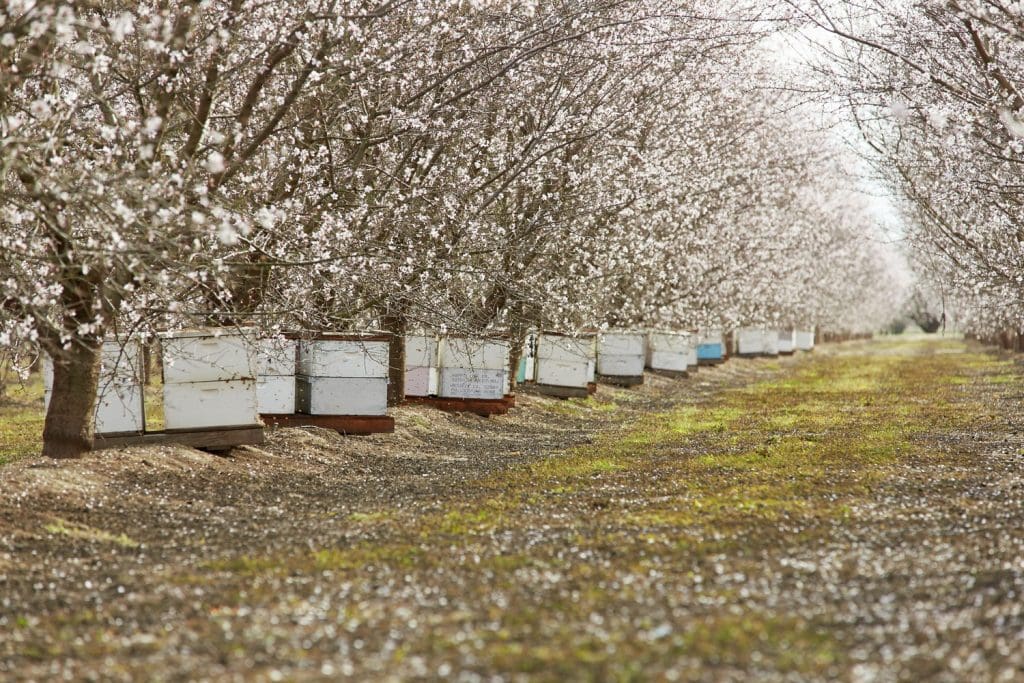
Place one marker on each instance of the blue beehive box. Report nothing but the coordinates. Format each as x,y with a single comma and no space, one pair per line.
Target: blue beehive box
710,347
521,371
710,352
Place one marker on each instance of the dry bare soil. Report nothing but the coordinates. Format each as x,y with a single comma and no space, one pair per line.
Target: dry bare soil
854,514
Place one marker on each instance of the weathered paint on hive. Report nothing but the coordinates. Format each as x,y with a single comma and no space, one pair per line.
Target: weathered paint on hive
209,379
205,405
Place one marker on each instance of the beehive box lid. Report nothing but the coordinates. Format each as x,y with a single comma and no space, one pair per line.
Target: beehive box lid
368,336
199,332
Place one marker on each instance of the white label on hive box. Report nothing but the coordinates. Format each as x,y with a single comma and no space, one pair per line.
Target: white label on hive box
466,383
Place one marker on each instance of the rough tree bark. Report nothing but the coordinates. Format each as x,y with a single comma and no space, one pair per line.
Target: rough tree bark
396,325
68,430
517,340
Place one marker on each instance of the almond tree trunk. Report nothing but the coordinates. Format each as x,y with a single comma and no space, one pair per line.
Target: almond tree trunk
396,325
68,430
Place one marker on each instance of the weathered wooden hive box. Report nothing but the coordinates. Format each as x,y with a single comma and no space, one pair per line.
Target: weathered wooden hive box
119,393
750,341
474,368
804,340
209,379
421,365
275,373
621,356
710,347
563,361
670,352
787,341
343,374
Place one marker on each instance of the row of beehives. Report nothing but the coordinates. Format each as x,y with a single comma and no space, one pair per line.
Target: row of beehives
224,378
227,378
758,341
552,360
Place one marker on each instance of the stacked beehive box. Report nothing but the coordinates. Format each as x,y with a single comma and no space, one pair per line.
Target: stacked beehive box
474,368
563,364
750,341
804,340
275,371
710,347
787,341
119,395
421,365
771,342
343,374
209,379
671,352
621,357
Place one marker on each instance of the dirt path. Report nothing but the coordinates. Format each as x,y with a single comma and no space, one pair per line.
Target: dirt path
856,515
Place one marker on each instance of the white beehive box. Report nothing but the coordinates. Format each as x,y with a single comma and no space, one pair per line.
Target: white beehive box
670,351
275,395
787,341
620,354
343,375
209,379
208,355
421,360
209,405
563,361
275,368
119,393
344,356
804,340
342,395
119,409
750,341
771,342
474,368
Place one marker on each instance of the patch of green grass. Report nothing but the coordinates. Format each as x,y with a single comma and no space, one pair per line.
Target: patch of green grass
469,521
354,558
21,420
63,527
578,407
22,416
740,640
370,517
